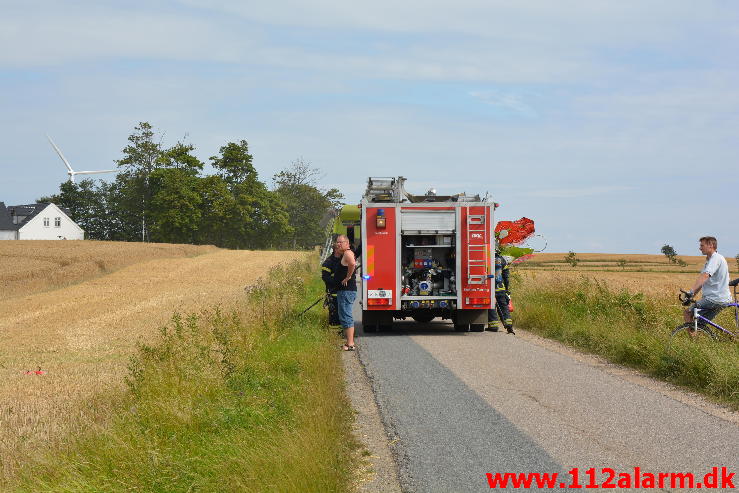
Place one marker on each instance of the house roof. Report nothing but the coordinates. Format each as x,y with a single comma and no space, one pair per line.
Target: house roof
28,210
6,223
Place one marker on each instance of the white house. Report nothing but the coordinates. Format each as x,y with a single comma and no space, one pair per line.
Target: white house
37,222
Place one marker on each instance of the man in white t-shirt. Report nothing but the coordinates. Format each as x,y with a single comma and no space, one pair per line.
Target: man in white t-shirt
713,280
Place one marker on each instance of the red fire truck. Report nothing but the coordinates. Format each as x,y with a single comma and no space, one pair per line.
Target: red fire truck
425,256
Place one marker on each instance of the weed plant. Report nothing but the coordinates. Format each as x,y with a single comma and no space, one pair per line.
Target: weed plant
631,329
247,401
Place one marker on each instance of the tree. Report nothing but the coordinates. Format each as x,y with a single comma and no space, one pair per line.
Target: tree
253,217
175,205
235,163
141,157
180,156
669,252
257,219
216,204
142,153
571,258
305,203
622,263
300,172
271,223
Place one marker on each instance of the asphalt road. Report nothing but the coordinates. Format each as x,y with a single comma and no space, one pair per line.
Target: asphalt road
457,406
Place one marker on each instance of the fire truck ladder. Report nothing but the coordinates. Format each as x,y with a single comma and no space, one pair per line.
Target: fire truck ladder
477,252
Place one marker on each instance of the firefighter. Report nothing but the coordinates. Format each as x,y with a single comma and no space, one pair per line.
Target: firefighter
502,297
328,269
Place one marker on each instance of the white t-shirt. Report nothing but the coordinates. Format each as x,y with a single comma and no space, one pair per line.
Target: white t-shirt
716,288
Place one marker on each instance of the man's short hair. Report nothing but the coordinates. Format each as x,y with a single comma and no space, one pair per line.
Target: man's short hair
710,240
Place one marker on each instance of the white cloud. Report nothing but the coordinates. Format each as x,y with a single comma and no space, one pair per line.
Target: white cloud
539,42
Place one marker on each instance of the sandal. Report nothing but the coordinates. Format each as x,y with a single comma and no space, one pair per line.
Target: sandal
347,347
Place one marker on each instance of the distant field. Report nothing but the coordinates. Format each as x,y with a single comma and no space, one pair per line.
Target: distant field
30,266
82,335
649,274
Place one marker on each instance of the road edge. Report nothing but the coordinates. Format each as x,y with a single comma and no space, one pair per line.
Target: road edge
675,392
377,471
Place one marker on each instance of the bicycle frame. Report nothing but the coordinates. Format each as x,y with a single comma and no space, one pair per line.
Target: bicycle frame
697,316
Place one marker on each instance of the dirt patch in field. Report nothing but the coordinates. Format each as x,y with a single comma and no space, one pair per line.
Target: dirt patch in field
82,337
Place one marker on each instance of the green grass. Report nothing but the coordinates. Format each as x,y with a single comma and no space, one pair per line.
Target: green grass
631,329
247,401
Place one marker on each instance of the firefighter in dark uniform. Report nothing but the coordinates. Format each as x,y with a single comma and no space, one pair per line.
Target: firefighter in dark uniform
328,269
502,297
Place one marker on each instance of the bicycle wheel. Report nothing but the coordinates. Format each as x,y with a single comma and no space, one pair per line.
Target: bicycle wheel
686,332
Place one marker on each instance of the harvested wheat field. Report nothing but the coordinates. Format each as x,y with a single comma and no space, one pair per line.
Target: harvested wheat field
29,266
82,335
652,275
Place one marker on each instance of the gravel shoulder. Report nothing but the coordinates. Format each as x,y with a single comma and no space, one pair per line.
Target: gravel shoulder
377,470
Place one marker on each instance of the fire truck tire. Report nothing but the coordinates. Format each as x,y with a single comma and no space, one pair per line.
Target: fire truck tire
461,327
423,318
477,327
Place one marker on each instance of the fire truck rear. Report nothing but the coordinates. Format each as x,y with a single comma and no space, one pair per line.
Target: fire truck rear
425,256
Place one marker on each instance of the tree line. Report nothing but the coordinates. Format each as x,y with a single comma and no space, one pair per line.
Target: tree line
161,194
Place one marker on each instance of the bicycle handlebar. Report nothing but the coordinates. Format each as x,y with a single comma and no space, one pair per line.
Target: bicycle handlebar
685,297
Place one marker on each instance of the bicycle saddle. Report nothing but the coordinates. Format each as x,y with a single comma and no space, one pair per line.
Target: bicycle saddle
734,282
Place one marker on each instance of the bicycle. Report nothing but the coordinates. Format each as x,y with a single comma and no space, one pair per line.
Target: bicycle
698,328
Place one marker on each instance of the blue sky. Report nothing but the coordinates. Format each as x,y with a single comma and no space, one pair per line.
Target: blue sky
614,125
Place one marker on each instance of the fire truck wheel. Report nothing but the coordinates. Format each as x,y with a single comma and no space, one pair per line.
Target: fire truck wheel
461,327
423,318
477,327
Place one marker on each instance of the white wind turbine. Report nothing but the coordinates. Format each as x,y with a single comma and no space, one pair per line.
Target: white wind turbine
72,173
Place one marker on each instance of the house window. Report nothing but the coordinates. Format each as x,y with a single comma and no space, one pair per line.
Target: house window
57,222
46,222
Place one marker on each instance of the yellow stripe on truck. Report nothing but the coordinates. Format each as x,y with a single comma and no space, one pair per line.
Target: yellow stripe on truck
371,260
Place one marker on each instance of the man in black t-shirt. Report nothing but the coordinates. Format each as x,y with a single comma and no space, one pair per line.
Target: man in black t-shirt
345,275
328,271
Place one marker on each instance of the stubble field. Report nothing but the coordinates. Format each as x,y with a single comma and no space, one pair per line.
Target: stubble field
31,266
82,335
652,275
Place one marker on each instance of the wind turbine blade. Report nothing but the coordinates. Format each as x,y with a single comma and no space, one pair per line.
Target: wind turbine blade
66,163
93,172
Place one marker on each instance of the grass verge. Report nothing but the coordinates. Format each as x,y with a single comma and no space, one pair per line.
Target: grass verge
631,329
247,401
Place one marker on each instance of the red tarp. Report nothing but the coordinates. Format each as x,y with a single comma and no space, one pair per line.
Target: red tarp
518,231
